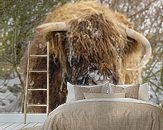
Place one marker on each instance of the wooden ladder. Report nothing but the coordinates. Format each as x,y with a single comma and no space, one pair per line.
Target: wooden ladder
26,105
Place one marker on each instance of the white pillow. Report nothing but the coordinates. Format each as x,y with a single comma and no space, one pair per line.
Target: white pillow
71,93
144,92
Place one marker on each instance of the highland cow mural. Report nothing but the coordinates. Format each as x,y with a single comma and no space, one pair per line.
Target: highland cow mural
89,44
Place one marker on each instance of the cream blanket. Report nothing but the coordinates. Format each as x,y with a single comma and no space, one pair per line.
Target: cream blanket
106,114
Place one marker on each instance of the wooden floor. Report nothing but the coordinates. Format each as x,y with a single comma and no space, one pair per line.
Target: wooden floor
16,121
17,126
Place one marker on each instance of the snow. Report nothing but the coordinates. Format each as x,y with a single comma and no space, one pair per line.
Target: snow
10,82
9,101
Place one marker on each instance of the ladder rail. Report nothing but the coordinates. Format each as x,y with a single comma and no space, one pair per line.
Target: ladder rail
47,109
26,86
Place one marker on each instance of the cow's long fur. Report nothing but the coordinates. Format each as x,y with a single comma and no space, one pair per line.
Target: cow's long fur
94,42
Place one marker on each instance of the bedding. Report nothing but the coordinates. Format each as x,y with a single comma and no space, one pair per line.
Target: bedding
161,103
105,87
141,93
79,91
144,90
106,114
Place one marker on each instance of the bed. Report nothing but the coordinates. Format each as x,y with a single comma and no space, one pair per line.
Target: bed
106,114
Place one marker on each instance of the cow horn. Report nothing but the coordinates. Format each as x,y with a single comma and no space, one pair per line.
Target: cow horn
53,26
147,47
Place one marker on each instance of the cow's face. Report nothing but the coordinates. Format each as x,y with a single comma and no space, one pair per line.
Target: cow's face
89,41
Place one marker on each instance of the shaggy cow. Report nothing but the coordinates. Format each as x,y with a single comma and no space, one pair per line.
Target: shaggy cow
89,44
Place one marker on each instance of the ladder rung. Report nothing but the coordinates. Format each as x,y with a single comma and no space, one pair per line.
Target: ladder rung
37,71
39,89
38,55
36,105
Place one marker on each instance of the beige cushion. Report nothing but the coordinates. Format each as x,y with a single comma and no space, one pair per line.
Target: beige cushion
104,95
131,91
71,93
79,91
144,91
